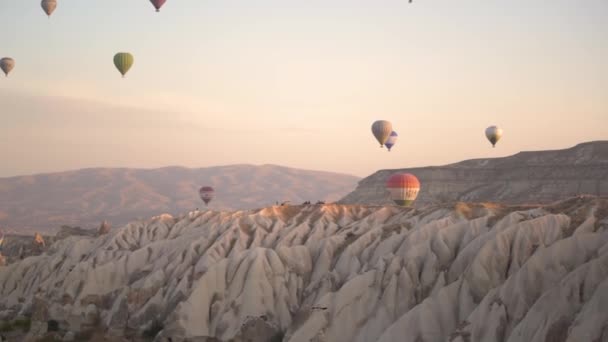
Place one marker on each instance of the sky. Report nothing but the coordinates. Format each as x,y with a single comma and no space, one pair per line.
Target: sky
298,83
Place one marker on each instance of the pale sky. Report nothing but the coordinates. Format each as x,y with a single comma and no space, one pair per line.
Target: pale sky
298,83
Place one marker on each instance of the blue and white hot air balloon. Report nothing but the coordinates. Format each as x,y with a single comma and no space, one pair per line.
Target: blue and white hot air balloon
392,139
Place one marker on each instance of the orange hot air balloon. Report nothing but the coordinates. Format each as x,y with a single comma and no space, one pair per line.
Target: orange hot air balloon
404,188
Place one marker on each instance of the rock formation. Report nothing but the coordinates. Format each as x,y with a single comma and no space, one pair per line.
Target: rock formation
17,247
527,177
104,228
67,231
39,241
3,261
462,272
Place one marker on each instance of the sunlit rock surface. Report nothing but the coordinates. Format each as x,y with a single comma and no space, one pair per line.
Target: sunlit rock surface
457,272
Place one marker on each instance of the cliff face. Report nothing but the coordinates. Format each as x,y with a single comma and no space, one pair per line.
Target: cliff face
527,177
464,272
18,247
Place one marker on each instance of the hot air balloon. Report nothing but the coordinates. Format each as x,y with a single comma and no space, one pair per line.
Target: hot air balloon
404,188
7,64
206,193
123,62
392,139
49,6
493,134
158,4
381,130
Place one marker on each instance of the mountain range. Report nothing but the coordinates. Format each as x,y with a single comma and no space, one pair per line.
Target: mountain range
45,202
84,198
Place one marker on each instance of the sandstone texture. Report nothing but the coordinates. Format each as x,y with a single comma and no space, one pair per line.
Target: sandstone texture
340,273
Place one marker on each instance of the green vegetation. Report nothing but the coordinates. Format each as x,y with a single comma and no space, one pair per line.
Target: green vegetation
53,325
23,324
153,330
6,327
278,337
84,335
49,338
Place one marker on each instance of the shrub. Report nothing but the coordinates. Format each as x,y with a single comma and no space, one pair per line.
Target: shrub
25,324
153,330
49,338
278,337
53,325
6,327
84,335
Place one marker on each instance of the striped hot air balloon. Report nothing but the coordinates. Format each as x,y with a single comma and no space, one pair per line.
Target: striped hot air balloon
403,188
123,62
392,139
206,193
381,130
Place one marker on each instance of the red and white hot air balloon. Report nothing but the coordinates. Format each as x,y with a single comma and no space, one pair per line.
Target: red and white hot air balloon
404,188
206,193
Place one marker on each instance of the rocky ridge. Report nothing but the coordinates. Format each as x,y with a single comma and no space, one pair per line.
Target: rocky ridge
452,272
527,177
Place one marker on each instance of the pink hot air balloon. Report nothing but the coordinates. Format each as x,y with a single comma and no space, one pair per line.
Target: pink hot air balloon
158,4
207,193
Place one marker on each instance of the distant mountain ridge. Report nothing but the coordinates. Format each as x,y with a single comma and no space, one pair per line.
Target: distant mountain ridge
44,202
525,177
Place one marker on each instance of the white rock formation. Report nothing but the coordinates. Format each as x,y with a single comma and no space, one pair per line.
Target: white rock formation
470,272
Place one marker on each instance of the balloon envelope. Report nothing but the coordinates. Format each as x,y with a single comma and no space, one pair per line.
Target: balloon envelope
403,188
49,6
493,134
158,4
123,62
206,193
7,64
381,130
392,139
